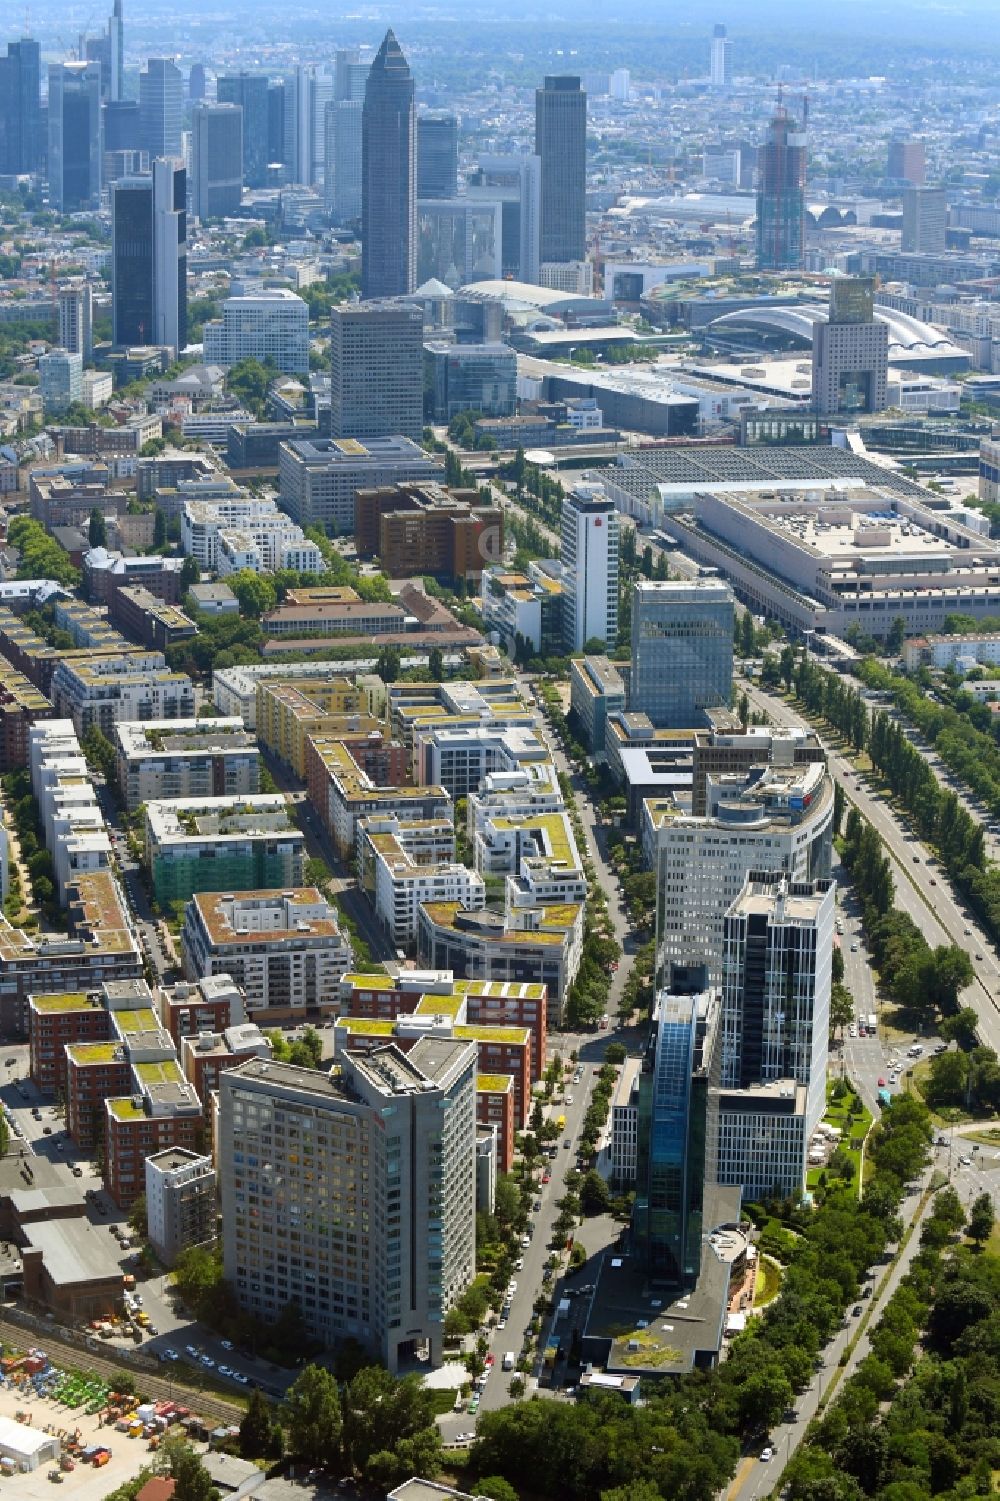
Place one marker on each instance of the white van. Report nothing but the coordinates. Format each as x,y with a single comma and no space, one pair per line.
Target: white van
508,1361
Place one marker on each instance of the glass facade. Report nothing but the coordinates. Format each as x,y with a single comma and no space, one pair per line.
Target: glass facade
132,256
458,241
682,651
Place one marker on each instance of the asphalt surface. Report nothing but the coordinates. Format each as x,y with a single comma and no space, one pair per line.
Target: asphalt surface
922,887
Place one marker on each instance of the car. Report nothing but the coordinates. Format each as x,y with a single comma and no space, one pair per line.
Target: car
502,1324
965,1162
77,1170
208,1362
567,1144
881,1083
152,1329
569,1099
766,1454
490,1359
856,1310
192,1350
916,859
854,948
224,1370
546,1177
519,1264
138,1300
537,1206
243,1380
968,932
46,1130
10,1062
979,958
511,1287
932,881
226,1344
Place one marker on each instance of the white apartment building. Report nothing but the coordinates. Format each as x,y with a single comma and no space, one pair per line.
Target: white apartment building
185,758
373,1233
71,819
136,685
271,325
265,548
286,949
589,556
401,865
780,820
459,756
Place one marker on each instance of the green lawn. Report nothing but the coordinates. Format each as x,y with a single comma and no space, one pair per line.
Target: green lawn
768,1283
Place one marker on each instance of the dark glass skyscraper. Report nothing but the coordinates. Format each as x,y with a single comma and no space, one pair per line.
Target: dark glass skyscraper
216,159
149,258
781,195
108,51
275,122
561,143
388,177
250,91
20,111
437,156
75,135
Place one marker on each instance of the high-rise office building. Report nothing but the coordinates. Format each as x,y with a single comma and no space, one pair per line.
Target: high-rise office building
561,146
161,107
774,816
907,162
682,650
775,1033
590,562
515,182
458,240
75,136
376,371
76,321
268,326
196,82
781,195
249,91
20,108
721,64
60,377
342,165
850,352
149,258
372,1230
620,85
122,126
350,75
925,221
276,124
437,156
216,160
672,1132
388,176
108,51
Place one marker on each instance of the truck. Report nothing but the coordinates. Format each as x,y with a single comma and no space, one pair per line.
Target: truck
508,1360
871,1022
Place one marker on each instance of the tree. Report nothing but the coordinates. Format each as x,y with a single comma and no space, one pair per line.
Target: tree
389,1424
615,1052
190,574
896,636
256,1435
841,1007
435,664
159,528
97,531
255,592
980,1226
763,1397
313,1417
137,1216
496,1488
192,1481
594,1195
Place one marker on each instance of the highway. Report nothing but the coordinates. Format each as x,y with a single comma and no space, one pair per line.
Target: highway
922,887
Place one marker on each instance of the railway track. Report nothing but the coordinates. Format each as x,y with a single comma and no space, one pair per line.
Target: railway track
149,1377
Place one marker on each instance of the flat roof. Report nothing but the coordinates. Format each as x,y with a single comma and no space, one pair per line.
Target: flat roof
73,1250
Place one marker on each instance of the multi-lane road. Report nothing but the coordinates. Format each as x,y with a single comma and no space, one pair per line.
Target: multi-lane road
922,887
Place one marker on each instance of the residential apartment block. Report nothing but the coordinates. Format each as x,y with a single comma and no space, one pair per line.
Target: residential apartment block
192,758
403,863
103,690
222,844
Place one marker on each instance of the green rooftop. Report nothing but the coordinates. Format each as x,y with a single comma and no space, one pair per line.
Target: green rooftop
494,1083
366,1027
166,1071
381,981
431,1004
71,1000
142,1019
482,1032
96,1052
125,1109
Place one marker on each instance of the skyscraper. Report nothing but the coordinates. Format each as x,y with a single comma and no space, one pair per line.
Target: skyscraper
216,160
350,75
907,162
20,108
437,156
925,221
196,82
376,371
60,380
515,182
107,50
382,1203
561,145
775,1032
388,176
161,107
720,71
678,1070
75,136
682,650
149,258
76,321
590,563
850,352
276,123
249,91
781,188
342,164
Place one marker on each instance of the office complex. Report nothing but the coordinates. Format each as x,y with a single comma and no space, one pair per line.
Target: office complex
375,1238
376,370
590,562
343,159
75,136
267,326
682,650
561,146
471,378
76,320
20,108
437,156
216,160
318,478
515,183
781,189
418,529
161,108
907,162
60,380
775,1029
672,1133
925,220
388,176
850,353
108,51
775,818
149,258
249,91
458,241
721,63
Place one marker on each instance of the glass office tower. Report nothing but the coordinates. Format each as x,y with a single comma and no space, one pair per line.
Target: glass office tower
682,650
